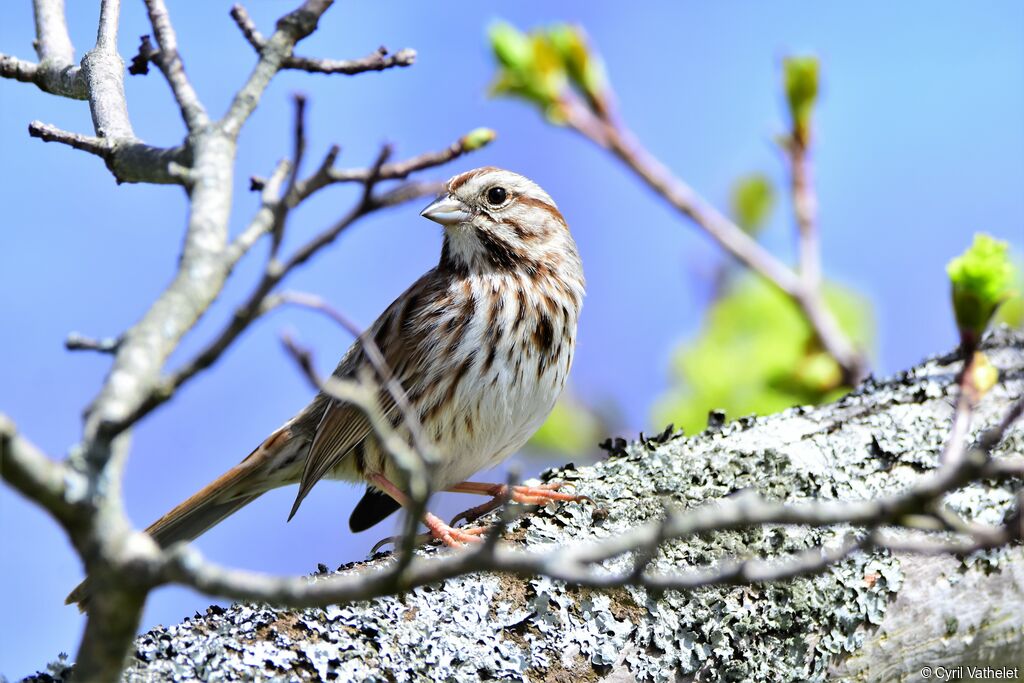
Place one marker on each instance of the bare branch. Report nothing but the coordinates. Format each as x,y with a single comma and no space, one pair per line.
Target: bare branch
243,317
103,71
78,342
18,69
805,207
298,151
129,160
394,171
56,72
248,27
87,143
378,60
263,221
602,128
291,29
376,358
32,473
169,61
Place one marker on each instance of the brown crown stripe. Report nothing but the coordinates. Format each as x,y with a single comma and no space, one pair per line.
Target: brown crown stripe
461,179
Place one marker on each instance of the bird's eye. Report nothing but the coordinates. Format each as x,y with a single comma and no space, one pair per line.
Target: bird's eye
496,196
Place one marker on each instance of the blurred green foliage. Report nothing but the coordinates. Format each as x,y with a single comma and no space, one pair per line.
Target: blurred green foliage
572,428
756,354
752,200
982,278
542,66
1012,311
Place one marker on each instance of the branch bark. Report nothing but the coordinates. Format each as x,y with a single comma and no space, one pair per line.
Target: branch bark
732,606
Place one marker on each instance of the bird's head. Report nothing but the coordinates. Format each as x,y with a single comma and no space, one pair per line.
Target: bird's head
499,220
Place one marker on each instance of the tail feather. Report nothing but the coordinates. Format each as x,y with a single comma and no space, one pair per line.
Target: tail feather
236,488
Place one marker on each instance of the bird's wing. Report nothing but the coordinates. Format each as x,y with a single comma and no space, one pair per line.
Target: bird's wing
344,426
341,429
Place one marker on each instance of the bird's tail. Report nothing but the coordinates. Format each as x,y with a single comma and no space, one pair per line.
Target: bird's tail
236,488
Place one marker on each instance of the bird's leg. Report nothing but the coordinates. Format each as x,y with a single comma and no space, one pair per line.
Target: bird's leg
445,533
525,495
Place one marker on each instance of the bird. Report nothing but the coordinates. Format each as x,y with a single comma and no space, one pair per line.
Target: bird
481,344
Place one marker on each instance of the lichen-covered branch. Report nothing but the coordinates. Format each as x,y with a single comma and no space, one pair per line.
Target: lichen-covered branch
748,505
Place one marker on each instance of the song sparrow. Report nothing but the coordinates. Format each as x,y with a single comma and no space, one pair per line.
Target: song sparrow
482,345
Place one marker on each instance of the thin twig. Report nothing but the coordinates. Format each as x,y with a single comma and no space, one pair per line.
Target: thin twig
604,129
378,60
170,63
376,358
805,208
79,342
298,151
86,143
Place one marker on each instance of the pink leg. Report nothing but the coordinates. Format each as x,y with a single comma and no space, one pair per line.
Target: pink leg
448,535
525,495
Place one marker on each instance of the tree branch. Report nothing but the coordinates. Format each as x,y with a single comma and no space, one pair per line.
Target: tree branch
169,61
56,72
378,60
291,29
584,563
603,128
78,342
34,475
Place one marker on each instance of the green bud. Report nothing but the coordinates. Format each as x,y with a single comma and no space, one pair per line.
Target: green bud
753,199
801,82
981,279
477,138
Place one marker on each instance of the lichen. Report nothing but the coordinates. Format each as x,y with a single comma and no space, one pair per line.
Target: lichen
877,441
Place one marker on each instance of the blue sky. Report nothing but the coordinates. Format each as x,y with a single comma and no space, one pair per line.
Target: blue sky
920,143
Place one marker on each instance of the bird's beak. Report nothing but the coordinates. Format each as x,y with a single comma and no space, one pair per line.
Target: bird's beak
447,210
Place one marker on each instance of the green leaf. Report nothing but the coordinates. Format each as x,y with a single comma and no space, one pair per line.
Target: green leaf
510,46
585,70
753,199
756,354
544,65
800,75
981,278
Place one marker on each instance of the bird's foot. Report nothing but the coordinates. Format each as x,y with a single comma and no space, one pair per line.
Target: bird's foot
449,535
541,494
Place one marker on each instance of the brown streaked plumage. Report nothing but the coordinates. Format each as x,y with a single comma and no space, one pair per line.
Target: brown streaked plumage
482,345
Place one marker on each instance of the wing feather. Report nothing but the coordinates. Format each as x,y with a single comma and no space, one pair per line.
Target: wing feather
344,426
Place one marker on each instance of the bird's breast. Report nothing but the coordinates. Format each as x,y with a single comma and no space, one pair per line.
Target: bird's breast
506,345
